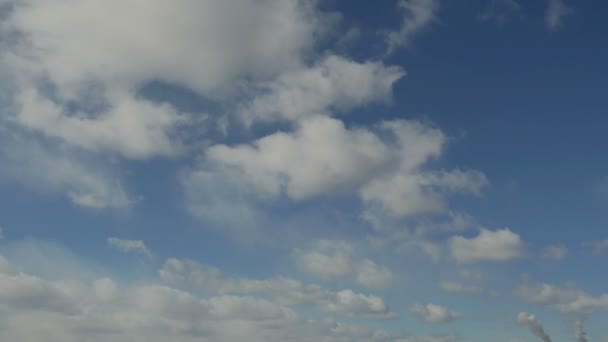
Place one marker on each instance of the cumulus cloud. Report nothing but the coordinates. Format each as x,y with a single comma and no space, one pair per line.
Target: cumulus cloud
333,84
433,313
322,157
535,327
130,246
81,89
555,252
557,10
336,259
499,245
287,291
59,310
417,15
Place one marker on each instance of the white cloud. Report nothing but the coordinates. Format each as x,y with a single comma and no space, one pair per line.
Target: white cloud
58,169
286,291
136,128
555,252
499,245
371,275
557,10
80,87
130,246
417,15
201,45
336,259
322,157
333,84
39,309
535,327
328,259
433,313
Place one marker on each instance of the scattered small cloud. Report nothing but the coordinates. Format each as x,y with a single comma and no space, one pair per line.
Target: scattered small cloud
433,313
499,245
130,246
555,252
336,259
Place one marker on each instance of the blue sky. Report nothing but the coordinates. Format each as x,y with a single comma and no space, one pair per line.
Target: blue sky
270,170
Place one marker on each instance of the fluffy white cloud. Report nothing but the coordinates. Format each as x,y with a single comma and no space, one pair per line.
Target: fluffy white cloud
322,157
433,313
328,259
557,10
336,259
81,86
130,246
287,291
555,252
203,45
333,84
371,275
136,128
499,245
39,309
417,15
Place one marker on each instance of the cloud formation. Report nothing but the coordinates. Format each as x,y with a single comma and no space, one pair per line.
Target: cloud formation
76,310
417,15
499,245
286,291
336,259
130,246
433,313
